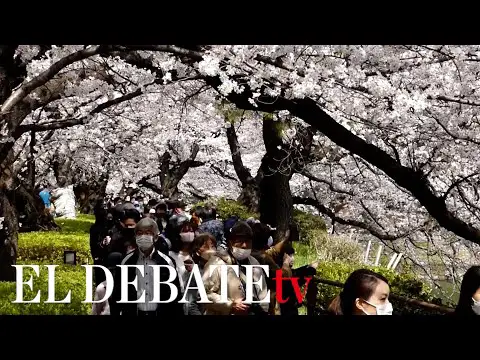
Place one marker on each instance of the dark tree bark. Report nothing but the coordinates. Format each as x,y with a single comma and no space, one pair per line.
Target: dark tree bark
8,235
250,195
62,169
171,173
31,162
276,205
8,214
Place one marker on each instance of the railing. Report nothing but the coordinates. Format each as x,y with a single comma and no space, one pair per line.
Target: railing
419,303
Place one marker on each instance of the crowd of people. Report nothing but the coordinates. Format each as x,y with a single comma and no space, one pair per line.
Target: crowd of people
164,233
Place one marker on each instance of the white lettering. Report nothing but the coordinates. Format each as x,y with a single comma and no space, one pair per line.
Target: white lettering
51,288
224,280
124,284
89,291
195,274
172,273
20,283
250,284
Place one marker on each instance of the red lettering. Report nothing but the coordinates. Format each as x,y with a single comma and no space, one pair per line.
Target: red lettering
278,286
296,288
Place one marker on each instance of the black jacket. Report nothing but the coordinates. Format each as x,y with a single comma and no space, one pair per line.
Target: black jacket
292,305
117,241
159,222
167,309
98,231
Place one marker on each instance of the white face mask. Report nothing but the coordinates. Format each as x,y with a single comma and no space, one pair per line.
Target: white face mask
476,306
144,242
206,255
385,309
240,254
187,237
270,241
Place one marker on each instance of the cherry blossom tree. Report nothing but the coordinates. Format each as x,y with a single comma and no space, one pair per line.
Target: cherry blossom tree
395,132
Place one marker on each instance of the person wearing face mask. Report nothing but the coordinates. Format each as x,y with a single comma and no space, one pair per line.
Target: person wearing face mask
469,300
125,228
364,293
180,234
239,249
204,247
290,307
145,254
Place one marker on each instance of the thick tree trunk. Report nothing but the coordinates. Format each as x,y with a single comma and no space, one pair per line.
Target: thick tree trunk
8,213
250,196
8,236
276,205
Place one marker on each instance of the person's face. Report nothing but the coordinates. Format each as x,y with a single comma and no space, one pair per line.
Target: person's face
109,217
242,243
148,231
129,223
476,295
208,245
161,213
378,298
187,227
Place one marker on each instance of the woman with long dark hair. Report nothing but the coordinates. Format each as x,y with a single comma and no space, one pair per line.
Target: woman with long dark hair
364,293
469,301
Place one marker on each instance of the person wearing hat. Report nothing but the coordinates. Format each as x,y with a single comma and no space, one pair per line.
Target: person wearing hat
103,308
146,233
216,228
151,214
239,251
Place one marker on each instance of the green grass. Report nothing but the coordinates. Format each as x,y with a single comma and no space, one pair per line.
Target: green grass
42,246
304,254
46,248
